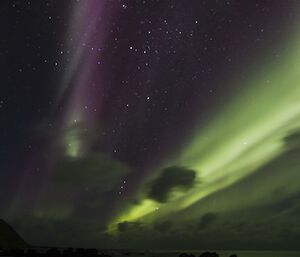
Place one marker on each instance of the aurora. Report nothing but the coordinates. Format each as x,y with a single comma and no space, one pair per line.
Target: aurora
160,124
247,132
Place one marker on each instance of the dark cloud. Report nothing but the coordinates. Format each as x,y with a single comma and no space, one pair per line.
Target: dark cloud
163,226
128,226
207,219
90,184
171,178
287,203
293,139
93,171
62,232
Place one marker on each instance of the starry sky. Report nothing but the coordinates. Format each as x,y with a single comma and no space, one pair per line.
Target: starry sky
162,124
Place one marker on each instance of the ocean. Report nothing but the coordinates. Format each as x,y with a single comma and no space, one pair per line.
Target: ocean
239,253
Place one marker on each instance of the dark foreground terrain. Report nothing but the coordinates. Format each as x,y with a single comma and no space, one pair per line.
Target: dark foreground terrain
80,252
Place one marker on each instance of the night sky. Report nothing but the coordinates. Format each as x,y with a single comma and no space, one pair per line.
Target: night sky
151,123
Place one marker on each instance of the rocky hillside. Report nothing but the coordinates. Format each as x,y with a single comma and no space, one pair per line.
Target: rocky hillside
9,237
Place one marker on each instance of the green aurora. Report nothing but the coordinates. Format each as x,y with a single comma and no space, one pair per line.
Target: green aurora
248,132
166,129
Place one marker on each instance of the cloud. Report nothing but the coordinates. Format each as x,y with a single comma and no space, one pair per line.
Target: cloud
292,140
207,219
171,179
287,203
163,226
88,185
53,232
127,226
94,171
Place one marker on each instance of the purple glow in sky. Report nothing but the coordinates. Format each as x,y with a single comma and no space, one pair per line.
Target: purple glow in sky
82,83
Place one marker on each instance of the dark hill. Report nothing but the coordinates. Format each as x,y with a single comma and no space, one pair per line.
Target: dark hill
9,237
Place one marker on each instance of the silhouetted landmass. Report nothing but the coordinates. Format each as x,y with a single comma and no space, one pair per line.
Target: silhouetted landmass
9,237
204,254
209,254
11,244
81,252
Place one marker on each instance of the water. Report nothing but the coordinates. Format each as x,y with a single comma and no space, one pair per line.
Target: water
238,253
222,253
259,254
